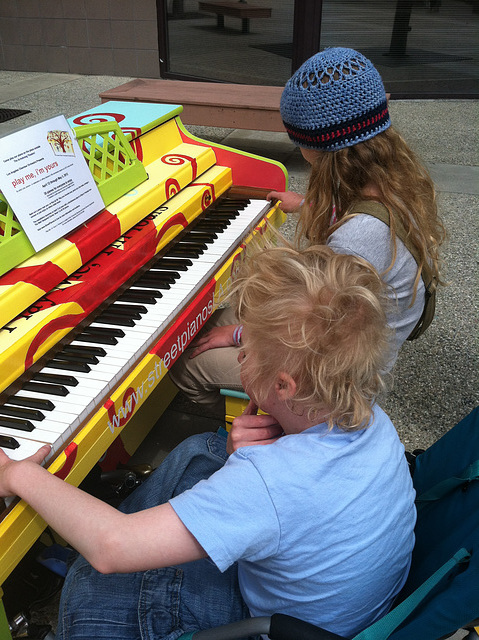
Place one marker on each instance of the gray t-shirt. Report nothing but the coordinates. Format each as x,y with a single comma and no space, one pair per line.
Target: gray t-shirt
367,237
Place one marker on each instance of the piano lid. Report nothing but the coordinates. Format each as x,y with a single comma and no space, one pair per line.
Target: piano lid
134,118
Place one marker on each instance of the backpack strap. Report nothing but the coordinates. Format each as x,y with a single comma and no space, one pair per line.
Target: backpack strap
381,212
441,489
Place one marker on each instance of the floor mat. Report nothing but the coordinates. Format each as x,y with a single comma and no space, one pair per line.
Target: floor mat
9,114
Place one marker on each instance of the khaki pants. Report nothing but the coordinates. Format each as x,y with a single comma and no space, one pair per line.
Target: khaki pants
201,378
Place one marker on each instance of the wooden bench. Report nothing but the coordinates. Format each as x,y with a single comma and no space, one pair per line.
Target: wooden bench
235,106
239,9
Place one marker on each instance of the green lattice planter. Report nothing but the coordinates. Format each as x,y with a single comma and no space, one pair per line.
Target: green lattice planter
15,247
115,169
113,163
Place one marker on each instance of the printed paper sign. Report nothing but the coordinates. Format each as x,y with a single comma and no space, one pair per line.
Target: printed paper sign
46,181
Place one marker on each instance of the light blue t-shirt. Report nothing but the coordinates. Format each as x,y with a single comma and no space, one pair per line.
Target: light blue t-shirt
321,523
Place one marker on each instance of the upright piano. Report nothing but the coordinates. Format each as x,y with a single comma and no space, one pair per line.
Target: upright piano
91,324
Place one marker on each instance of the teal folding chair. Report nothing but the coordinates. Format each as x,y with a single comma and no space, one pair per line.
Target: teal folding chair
441,594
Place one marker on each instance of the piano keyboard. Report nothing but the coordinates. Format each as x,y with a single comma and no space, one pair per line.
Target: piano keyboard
50,408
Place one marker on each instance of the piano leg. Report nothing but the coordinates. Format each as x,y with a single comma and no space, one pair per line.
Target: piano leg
4,626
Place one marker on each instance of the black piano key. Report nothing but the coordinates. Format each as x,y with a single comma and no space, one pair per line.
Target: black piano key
177,265
220,220
229,203
203,236
120,313
56,378
191,244
96,338
232,209
222,209
119,321
76,357
164,274
221,217
137,296
87,350
103,331
235,202
128,309
47,389
215,225
110,311
182,252
152,280
34,403
16,423
21,412
7,442
69,366
154,293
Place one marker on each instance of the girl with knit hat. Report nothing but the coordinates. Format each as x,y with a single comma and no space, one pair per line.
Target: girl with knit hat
335,109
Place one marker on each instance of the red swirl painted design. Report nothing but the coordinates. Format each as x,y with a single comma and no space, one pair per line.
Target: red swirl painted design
172,186
91,118
179,159
71,453
135,132
128,408
135,141
209,194
44,277
206,200
45,332
178,218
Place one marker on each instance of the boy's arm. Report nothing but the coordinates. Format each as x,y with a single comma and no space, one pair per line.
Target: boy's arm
110,540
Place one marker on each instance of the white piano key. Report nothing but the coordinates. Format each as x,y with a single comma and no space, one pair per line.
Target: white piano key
38,433
54,422
39,436
26,449
110,349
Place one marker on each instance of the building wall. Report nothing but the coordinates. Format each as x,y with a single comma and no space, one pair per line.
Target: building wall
102,37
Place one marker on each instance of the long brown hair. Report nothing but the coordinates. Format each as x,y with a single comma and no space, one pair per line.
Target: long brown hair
403,184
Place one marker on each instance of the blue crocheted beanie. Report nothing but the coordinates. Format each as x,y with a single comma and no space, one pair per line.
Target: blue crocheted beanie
334,100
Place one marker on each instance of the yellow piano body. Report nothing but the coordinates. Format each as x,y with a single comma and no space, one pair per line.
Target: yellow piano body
47,297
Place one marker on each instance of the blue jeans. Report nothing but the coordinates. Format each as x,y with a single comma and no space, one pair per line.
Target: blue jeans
161,603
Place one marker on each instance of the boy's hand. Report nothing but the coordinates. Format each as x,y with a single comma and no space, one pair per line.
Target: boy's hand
215,338
6,463
290,201
251,429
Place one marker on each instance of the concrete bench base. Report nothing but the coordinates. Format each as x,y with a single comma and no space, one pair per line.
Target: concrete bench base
235,106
